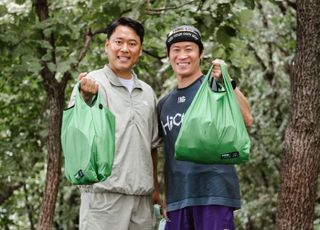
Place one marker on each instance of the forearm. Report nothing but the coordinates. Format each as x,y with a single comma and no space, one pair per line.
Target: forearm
154,155
244,107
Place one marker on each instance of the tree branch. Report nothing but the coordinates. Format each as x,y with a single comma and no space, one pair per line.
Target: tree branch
159,10
42,11
292,4
258,58
201,3
153,55
49,81
282,6
7,191
28,207
270,68
89,35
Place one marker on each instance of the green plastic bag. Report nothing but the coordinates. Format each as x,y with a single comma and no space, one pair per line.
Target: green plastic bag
213,130
88,141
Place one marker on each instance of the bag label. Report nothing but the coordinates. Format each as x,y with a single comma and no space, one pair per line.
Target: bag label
230,155
79,174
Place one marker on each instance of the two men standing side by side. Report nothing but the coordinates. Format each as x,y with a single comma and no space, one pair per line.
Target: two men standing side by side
198,196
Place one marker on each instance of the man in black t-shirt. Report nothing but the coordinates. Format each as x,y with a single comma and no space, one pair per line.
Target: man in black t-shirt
198,196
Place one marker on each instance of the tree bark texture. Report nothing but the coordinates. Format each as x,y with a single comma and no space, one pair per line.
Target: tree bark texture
55,93
300,161
53,165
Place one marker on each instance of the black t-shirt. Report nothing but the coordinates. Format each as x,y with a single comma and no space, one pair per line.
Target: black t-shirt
192,184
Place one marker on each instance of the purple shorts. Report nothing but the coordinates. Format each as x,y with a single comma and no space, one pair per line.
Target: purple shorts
210,217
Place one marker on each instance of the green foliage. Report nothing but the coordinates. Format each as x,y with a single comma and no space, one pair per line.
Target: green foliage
250,4
22,129
224,35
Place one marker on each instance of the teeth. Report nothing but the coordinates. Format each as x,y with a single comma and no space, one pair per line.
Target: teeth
123,58
183,64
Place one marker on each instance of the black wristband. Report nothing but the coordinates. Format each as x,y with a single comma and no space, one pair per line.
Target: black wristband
233,83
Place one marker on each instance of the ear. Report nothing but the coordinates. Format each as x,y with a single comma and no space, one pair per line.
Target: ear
141,51
201,55
106,44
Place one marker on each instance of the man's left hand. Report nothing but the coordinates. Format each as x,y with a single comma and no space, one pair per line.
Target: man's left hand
216,70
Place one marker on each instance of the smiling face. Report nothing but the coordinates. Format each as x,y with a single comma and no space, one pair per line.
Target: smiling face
123,49
185,60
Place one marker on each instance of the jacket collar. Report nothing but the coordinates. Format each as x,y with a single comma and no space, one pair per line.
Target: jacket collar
114,79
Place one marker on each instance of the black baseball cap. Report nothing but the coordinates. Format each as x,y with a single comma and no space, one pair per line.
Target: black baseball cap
184,33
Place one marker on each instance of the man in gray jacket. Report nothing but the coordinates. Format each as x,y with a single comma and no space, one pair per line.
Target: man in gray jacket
124,200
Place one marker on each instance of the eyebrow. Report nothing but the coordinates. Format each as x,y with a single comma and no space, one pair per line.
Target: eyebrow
182,46
121,38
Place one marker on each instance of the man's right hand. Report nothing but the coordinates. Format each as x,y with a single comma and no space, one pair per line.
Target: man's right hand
88,87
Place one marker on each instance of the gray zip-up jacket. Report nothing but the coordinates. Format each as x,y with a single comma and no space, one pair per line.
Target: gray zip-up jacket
136,134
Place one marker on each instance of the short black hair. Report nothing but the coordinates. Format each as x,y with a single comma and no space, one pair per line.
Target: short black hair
126,21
